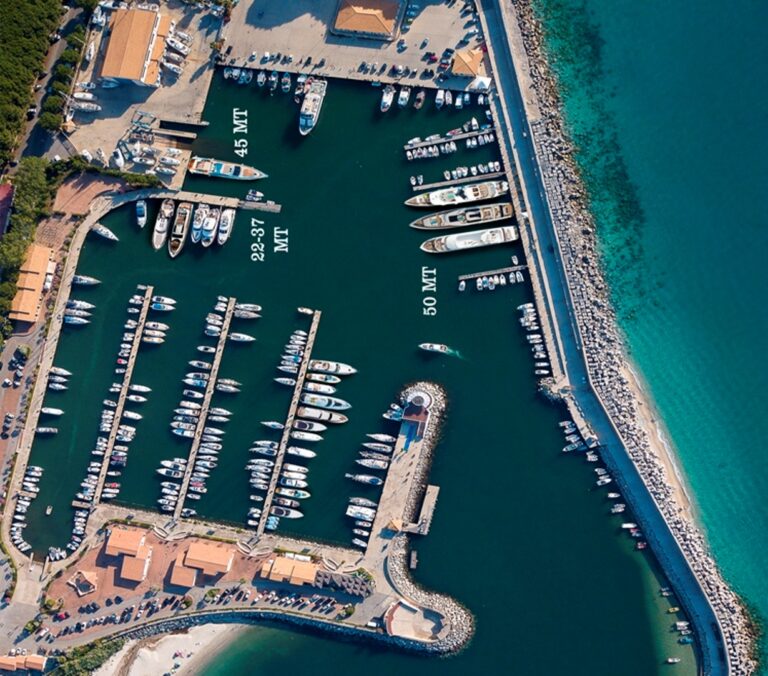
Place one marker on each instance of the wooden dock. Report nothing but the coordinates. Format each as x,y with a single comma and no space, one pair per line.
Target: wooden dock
286,437
122,397
447,139
457,181
206,404
489,273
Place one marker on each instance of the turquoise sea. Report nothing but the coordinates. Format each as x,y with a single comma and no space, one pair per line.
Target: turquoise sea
668,103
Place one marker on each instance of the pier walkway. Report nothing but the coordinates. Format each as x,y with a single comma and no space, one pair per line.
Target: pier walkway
447,139
122,397
194,198
458,181
206,404
285,439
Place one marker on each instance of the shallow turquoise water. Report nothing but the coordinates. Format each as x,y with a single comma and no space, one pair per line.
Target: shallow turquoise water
676,91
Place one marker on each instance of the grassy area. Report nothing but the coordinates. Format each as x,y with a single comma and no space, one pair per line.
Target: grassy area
24,34
86,659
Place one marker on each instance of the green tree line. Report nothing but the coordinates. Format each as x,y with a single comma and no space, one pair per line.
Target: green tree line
24,30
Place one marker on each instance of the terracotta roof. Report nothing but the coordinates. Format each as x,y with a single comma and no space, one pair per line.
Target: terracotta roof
7,663
153,68
210,558
123,540
468,62
130,42
26,304
373,17
181,576
36,662
134,568
283,569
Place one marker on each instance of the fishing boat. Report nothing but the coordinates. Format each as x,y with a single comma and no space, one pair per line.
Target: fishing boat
220,169
470,240
226,223
387,96
331,367
141,213
163,220
104,231
473,192
180,227
312,104
460,218
365,479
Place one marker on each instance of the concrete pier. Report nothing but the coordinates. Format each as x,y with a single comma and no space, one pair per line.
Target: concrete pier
489,273
206,404
286,437
138,331
446,139
458,181
195,198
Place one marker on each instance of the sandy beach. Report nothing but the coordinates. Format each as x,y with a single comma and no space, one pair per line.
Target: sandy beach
184,653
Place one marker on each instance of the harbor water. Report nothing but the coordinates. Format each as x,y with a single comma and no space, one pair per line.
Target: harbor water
668,106
520,534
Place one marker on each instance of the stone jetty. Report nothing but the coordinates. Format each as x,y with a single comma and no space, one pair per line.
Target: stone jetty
602,344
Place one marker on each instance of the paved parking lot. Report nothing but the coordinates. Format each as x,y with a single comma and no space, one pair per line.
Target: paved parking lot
300,28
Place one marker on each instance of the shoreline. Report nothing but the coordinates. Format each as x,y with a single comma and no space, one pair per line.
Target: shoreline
604,393
198,645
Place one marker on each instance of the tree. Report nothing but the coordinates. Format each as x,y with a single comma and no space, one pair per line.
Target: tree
50,121
69,57
63,73
53,104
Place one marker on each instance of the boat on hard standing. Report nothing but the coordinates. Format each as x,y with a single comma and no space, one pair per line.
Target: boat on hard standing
162,223
470,240
460,218
180,227
220,169
473,192
311,106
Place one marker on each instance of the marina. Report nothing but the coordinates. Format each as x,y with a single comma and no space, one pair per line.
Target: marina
346,333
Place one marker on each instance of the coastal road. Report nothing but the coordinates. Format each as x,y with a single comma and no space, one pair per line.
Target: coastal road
665,545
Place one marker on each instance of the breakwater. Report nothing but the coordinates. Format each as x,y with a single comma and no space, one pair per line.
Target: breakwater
604,351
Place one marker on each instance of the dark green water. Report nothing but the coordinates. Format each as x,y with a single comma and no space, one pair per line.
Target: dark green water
518,536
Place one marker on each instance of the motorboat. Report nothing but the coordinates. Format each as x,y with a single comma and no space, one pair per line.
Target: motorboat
312,105
220,169
210,225
322,415
85,280
103,231
226,223
386,438
378,446
387,96
465,216
309,426
435,347
305,436
141,213
180,227
322,401
286,512
331,367
196,233
473,192
301,452
319,388
241,337
273,424
470,240
404,96
323,378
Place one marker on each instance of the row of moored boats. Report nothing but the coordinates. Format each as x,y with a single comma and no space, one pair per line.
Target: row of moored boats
202,224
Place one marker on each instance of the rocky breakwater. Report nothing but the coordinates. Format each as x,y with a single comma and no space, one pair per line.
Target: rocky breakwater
458,623
603,345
